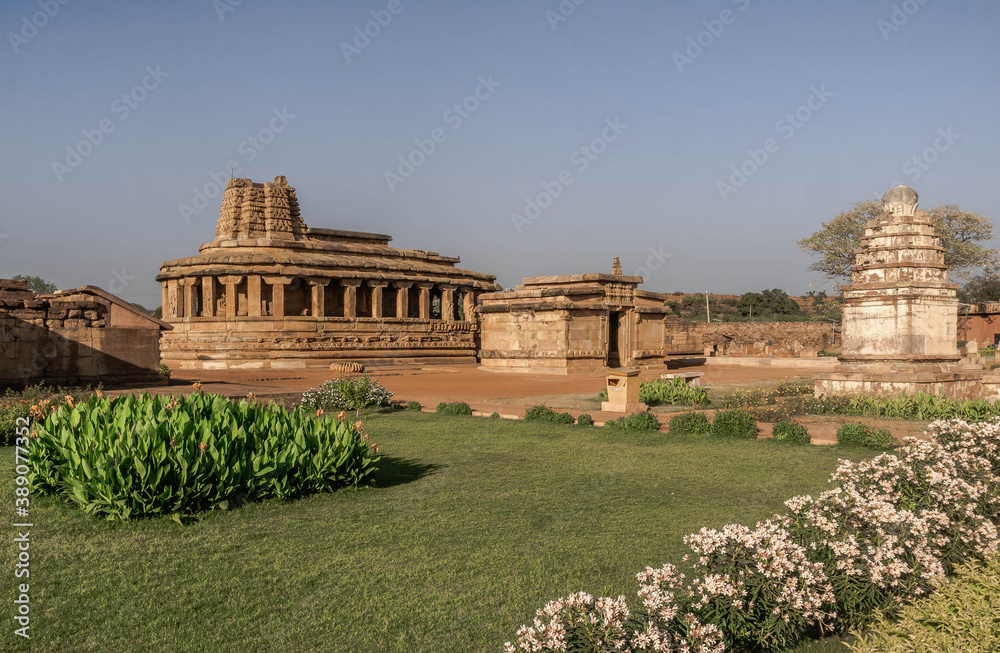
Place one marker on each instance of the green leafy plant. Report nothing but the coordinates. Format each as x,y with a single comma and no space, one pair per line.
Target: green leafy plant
352,393
960,617
540,413
164,370
36,401
666,392
693,423
862,435
133,457
734,424
413,405
791,432
585,420
455,408
638,421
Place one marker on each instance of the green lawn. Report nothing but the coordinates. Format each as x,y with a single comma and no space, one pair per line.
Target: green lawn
475,523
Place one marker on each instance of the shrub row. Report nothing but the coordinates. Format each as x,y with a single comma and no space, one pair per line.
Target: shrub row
133,457
727,424
893,529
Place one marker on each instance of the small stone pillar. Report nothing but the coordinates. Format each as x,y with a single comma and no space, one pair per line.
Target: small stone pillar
623,392
351,297
231,299
253,296
403,298
278,294
190,296
448,303
425,300
165,299
377,287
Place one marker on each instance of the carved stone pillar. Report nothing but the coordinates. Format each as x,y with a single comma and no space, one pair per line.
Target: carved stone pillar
318,287
403,298
351,297
253,296
232,301
448,303
468,304
165,299
377,287
278,294
175,295
208,296
425,300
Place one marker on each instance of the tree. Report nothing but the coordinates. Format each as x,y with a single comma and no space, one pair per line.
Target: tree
767,302
37,284
984,288
961,234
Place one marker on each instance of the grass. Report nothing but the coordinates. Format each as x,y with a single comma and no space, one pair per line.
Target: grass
475,524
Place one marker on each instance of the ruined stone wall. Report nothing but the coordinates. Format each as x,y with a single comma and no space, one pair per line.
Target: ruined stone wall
782,338
68,341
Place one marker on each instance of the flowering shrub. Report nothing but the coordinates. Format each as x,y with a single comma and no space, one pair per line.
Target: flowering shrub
35,401
791,431
734,424
895,527
346,394
694,423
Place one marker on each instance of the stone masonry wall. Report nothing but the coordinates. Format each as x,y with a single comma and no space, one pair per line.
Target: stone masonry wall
778,338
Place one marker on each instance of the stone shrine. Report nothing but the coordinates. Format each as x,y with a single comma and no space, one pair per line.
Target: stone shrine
581,322
900,313
270,292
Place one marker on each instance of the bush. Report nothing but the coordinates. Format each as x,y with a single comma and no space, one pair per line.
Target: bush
585,420
639,421
862,435
456,408
133,457
346,394
694,423
164,370
542,413
791,432
495,415
413,405
734,424
961,617
794,388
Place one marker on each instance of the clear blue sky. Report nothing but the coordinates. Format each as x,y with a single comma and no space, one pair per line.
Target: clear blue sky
884,81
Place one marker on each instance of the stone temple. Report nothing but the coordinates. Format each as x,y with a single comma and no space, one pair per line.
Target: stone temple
270,292
900,313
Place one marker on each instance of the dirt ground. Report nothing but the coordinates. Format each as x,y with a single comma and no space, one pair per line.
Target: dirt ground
508,394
